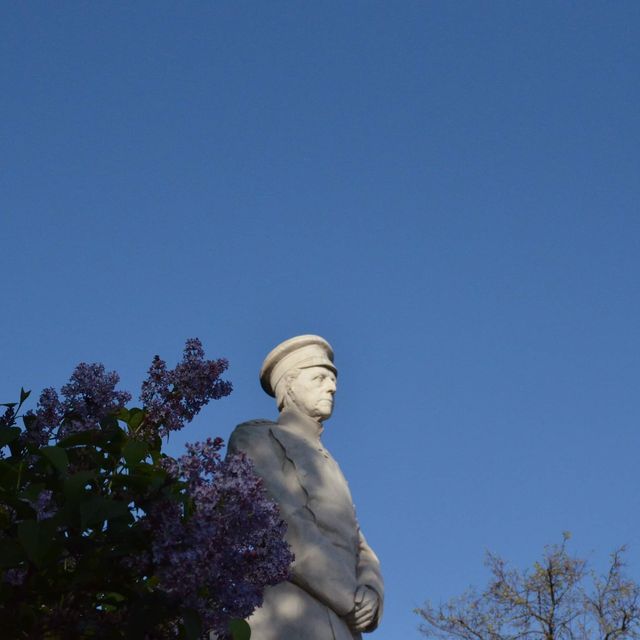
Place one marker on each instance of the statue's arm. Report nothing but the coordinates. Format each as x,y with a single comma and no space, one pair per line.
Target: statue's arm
316,569
369,574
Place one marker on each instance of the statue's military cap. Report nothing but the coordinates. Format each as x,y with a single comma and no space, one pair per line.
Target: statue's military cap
300,352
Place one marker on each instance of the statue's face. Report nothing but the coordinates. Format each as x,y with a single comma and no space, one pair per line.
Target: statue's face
312,392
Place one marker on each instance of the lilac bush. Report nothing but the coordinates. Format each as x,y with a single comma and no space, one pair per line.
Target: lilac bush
216,561
103,535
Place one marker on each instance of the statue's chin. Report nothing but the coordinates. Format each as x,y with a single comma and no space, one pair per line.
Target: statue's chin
321,412
324,411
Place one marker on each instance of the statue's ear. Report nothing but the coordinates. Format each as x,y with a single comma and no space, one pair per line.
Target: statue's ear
288,396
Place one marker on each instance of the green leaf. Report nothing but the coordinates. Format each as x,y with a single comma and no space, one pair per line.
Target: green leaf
136,416
145,614
24,395
11,553
240,630
192,624
152,582
29,420
57,456
112,436
97,509
109,423
23,510
112,596
134,451
36,539
28,537
8,475
132,481
74,486
8,434
27,614
32,491
89,436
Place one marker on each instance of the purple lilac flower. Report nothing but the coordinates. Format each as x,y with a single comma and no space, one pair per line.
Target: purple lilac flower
44,505
222,557
171,466
173,397
90,396
40,426
7,419
7,517
15,576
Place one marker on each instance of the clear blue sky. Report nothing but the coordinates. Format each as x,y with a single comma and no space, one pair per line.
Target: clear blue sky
447,191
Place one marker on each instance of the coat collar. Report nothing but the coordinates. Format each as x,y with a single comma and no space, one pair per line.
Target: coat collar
297,424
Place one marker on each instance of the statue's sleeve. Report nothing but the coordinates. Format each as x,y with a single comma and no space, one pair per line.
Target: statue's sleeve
316,568
369,574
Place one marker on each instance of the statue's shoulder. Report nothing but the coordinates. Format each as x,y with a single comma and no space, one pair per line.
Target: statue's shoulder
252,430
259,424
247,436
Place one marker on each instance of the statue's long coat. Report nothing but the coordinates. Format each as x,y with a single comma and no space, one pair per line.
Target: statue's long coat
332,558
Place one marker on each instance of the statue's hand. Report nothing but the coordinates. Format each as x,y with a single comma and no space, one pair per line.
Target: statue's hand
365,609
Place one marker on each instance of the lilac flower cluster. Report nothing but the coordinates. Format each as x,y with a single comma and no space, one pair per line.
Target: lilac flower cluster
46,419
15,576
8,417
222,556
91,395
173,397
88,397
44,505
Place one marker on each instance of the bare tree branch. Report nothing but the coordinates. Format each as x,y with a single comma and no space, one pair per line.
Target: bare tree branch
551,601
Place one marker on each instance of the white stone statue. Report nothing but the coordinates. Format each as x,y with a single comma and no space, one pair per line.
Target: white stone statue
335,591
